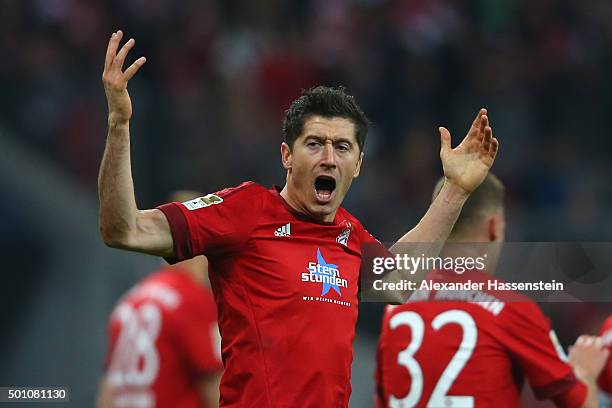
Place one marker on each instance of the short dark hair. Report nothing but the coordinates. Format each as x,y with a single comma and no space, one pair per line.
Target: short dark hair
329,102
488,197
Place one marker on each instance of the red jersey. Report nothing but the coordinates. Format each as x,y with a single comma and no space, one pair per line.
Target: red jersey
286,290
163,338
605,378
457,353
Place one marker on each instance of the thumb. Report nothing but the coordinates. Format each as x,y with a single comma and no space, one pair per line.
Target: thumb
445,140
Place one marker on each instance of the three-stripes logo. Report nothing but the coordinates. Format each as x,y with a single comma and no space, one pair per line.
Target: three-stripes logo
284,231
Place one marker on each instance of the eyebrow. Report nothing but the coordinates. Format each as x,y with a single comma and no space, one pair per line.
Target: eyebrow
335,141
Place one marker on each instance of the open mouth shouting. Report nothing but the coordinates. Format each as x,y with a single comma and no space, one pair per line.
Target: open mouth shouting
324,188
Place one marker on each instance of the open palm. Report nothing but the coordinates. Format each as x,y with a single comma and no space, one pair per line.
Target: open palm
467,165
116,80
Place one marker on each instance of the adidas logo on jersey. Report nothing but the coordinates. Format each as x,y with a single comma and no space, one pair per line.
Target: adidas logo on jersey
284,231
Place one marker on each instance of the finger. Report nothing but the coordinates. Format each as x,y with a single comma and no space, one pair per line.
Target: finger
133,69
484,122
476,122
111,50
589,341
479,133
494,148
488,136
445,140
598,342
120,58
475,129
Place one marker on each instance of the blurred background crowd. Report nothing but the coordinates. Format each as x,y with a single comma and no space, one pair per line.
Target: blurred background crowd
208,107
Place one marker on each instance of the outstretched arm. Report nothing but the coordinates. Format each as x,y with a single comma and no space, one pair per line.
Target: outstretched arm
465,167
122,224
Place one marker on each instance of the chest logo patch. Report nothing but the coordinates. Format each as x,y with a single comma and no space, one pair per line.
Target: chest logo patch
325,273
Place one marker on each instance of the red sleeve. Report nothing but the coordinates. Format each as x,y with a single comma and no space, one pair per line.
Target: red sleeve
534,345
605,378
197,334
215,224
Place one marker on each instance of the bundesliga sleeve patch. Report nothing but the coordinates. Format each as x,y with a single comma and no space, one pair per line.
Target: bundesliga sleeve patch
202,202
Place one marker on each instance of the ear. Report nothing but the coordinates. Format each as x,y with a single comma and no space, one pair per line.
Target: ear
286,156
492,229
495,229
358,168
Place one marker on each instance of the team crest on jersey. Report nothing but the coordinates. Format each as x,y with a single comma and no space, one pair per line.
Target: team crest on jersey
202,202
343,237
327,274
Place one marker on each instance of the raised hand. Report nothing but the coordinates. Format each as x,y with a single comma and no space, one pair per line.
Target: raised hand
467,165
115,80
588,356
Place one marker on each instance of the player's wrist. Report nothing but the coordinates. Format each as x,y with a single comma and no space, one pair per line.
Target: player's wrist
589,377
453,192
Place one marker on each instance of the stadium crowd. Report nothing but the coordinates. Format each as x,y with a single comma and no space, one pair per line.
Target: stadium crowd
220,74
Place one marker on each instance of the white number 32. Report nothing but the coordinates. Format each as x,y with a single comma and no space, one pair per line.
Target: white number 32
406,358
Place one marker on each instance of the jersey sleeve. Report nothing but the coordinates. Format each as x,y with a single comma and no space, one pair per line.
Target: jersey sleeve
215,224
605,378
196,334
531,341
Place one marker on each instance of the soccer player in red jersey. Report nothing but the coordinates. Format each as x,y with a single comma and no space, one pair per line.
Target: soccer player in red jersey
284,263
458,353
164,344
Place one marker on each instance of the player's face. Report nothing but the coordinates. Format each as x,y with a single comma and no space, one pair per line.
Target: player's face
321,166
